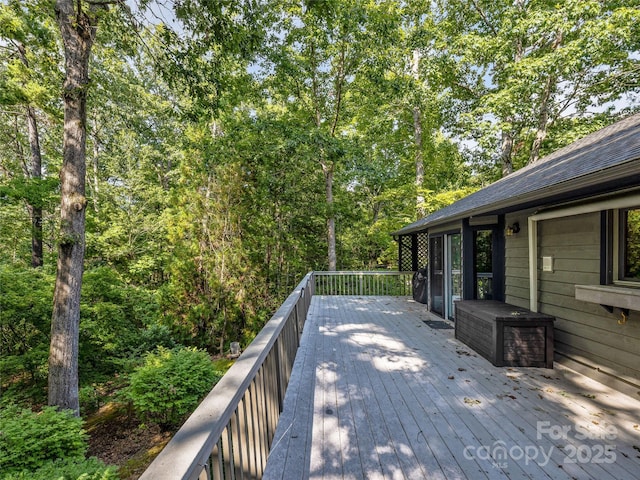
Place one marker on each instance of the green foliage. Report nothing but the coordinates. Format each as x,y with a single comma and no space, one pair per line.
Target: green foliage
36,192
206,179
67,469
530,65
30,439
25,316
170,384
113,326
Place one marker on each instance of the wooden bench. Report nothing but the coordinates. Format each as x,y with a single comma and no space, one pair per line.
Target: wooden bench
504,334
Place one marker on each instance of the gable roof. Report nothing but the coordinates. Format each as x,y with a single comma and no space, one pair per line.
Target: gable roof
605,160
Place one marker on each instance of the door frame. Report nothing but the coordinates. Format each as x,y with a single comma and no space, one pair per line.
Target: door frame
497,257
446,273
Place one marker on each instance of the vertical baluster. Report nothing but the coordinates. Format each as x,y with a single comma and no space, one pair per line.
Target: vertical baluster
285,359
268,381
248,450
273,368
217,470
252,440
227,454
274,392
204,474
261,406
236,442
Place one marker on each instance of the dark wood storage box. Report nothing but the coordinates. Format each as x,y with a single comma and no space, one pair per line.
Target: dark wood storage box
504,334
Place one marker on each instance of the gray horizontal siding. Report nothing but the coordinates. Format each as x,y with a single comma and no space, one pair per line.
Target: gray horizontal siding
584,332
517,264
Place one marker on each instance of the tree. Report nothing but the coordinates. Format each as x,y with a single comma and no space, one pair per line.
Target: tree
318,52
29,55
77,22
538,64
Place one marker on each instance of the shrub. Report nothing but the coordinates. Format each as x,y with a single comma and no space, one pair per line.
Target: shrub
170,384
25,324
151,338
70,469
29,439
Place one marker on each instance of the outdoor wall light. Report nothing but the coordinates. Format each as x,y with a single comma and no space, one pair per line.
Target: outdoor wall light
512,229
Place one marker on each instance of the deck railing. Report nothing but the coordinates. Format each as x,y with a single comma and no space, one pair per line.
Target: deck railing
363,283
230,433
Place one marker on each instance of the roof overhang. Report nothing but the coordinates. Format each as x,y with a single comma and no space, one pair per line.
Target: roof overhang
611,180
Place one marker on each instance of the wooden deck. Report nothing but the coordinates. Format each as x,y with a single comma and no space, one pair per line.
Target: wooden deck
376,393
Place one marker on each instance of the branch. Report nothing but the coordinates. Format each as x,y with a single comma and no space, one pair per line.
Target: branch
103,3
484,17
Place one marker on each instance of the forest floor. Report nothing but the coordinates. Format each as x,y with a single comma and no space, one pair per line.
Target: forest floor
117,438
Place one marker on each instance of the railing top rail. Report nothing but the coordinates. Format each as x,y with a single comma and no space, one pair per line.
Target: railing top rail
361,272
202,429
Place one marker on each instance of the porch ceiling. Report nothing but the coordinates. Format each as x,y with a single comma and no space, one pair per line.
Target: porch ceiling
376,393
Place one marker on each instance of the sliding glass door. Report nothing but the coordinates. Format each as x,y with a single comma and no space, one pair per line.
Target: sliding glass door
436,274
445,273
453,272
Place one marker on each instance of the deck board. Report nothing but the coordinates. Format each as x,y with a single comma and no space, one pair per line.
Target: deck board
377,394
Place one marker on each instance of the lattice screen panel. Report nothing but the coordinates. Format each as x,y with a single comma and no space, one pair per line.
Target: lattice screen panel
413,252
405,257
422,250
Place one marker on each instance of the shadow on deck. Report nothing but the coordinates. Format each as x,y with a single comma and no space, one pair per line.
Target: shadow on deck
377,393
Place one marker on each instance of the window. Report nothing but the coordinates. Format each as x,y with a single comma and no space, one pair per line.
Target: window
629,245
483,264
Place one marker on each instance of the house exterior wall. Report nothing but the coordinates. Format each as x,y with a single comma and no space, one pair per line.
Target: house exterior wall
517,262
587,337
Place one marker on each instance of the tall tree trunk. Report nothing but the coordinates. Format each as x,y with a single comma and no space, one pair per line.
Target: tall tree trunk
95,167
543,111
543,119
327,169
509,134
78,32
417,140
36,172
506,149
